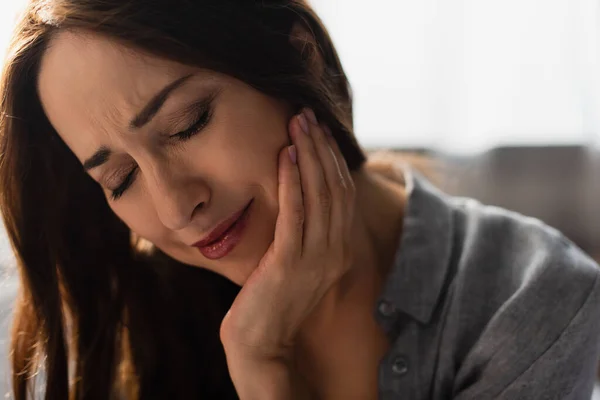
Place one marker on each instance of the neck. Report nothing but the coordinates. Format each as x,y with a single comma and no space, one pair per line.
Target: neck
376,231
340,345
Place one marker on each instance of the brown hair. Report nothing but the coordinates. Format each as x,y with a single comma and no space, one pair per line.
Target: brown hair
94,311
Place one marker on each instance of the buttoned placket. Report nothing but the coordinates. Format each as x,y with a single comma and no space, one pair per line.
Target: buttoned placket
397,369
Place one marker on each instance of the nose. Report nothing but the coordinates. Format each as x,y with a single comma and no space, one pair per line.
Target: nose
176,195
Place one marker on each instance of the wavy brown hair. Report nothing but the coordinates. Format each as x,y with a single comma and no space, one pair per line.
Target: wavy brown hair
98,315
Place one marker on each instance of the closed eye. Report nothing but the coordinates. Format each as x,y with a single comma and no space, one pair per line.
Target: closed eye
118,192
202,114
203,111
200,122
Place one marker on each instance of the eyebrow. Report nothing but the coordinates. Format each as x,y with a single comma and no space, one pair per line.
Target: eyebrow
154,105
102,155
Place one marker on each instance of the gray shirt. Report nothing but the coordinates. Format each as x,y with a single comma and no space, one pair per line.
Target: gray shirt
484,303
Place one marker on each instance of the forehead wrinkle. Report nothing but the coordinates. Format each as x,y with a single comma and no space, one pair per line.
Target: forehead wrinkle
108,119
106,85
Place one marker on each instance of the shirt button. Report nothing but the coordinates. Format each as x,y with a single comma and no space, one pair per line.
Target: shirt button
400,365
386,308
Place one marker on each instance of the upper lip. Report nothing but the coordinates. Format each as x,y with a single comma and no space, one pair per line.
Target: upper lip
221,228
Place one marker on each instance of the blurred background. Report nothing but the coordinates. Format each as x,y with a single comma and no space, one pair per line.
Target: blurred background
504,94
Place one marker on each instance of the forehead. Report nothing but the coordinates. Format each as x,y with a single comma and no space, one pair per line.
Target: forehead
90,83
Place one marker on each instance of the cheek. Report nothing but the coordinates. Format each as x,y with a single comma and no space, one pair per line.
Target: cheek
257,149
258,162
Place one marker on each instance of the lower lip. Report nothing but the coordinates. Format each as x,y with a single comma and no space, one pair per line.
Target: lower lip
228,241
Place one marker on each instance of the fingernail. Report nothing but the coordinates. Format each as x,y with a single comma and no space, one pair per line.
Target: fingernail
303,123
327,131
292,153
310,114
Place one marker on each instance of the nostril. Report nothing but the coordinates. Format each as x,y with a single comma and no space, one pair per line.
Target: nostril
198,208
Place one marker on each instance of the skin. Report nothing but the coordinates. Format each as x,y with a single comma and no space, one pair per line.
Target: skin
91,88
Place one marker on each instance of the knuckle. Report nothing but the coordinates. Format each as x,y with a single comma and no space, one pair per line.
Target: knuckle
324,199
298,216
316,275
278,276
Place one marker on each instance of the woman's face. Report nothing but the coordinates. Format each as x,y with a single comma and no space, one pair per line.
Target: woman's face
173,169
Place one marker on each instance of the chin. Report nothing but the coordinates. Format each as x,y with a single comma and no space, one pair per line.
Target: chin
236,266
238,271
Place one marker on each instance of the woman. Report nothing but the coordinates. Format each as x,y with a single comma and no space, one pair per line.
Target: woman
157,156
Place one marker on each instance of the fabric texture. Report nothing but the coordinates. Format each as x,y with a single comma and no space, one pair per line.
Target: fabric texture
485,303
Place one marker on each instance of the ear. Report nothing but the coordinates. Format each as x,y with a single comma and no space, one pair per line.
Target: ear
304,41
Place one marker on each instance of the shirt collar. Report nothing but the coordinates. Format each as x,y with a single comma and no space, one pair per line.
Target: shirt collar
415,281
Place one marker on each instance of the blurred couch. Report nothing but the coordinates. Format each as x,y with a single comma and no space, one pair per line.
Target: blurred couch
559,185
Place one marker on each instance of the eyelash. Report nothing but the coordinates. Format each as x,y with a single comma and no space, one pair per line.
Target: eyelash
203,117
118,192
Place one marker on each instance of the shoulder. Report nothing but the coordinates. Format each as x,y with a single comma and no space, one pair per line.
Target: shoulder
476,254
528,299
508,254
510,305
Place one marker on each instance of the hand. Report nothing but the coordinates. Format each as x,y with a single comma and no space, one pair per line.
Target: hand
310,251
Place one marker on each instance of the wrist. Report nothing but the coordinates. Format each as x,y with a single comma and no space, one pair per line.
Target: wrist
267,379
